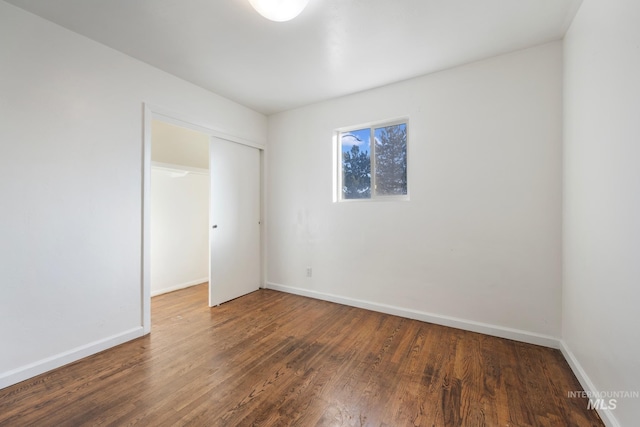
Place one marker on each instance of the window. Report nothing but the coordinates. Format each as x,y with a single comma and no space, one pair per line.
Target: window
373,162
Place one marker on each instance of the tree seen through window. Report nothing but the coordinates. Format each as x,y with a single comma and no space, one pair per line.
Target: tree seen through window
386,175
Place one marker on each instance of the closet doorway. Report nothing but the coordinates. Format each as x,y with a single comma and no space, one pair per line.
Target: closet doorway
179,207
230,212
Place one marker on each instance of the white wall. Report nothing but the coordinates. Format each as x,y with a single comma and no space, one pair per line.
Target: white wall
71,188
480,240
601,319
179,230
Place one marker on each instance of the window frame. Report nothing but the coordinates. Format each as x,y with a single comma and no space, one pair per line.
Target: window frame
338,173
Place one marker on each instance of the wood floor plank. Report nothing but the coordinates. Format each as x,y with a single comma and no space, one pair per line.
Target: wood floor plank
275,359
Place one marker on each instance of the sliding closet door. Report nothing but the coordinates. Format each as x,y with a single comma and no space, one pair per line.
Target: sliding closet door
234,234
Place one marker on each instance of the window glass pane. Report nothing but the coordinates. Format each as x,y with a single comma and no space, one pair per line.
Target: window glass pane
356,164
391,160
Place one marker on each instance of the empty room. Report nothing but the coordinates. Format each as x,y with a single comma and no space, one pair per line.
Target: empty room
410,212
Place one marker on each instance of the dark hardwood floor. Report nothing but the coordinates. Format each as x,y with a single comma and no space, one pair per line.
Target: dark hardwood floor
271,358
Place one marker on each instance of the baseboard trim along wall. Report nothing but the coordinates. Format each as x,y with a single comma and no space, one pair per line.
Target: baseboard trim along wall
605,414
467,325
178,287
40,367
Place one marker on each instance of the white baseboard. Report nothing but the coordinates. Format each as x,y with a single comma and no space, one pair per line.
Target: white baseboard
178,287
40,367
605,414
468,325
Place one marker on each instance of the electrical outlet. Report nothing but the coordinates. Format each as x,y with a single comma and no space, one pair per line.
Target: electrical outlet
309,272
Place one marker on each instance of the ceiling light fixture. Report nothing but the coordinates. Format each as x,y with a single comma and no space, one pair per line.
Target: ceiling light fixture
279,10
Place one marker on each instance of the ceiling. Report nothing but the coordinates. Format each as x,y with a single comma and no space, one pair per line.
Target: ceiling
334,48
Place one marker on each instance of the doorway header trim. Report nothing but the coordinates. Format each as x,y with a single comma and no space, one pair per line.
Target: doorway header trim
171,117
